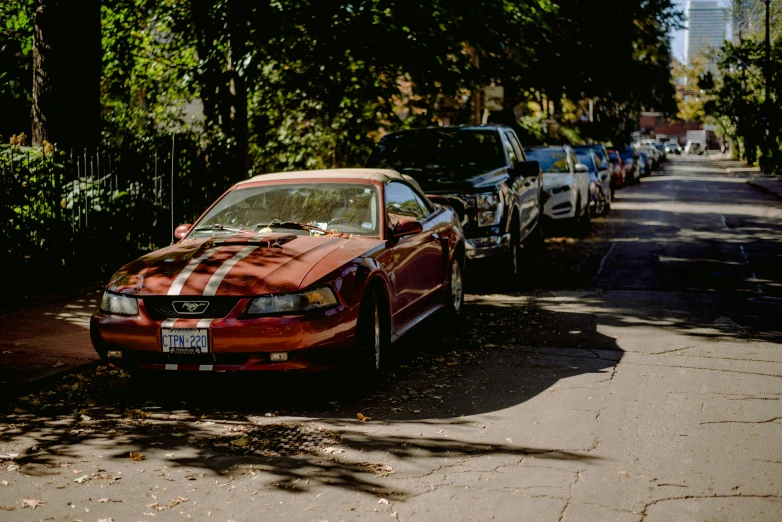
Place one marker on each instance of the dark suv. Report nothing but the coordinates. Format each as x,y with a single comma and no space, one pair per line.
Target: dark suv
482,173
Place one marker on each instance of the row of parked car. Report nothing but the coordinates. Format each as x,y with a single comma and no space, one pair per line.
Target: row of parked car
302,270
506,194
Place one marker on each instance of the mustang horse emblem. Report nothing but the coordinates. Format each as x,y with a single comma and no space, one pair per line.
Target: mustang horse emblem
190,307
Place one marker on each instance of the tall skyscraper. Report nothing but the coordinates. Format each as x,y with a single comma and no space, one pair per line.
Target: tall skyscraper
706,28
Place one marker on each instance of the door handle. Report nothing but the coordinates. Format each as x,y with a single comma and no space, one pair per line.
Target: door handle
435,236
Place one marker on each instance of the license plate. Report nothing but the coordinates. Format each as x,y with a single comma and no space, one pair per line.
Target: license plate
185,340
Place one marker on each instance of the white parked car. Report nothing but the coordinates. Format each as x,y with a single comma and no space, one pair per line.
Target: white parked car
565,183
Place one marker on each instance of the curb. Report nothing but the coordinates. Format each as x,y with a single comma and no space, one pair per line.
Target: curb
765,190
11,392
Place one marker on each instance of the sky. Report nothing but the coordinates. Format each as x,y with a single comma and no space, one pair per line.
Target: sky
678,37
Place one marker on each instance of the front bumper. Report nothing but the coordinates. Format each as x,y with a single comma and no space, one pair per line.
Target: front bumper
561,205
488,246
313,341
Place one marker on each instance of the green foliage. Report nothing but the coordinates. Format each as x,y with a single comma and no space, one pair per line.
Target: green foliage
16,43
737,101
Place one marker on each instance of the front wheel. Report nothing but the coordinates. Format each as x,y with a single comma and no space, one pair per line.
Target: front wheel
600,204
513,257
455,296
368,356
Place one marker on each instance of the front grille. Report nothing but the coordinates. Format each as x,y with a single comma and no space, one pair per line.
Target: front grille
162,307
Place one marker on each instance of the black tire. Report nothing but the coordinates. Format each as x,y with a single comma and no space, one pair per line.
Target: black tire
454,300
535,240
600,205
370,337
582,220
513,257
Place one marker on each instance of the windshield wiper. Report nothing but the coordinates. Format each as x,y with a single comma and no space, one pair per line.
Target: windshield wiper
218,226
277,223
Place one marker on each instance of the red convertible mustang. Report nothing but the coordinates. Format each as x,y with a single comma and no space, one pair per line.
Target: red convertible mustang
294,271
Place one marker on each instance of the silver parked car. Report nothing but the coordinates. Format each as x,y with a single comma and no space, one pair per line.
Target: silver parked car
565,183
599,183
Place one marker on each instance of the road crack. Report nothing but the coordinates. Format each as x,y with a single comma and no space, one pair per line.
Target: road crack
742,422
644,513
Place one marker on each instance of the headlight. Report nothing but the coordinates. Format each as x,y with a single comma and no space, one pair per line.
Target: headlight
299,302
119,304
489,209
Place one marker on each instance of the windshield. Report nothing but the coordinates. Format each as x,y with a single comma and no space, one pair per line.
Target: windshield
551,160
453,155
351,209
586,159
599,151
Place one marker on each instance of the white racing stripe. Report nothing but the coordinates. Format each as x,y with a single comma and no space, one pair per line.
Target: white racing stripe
168,323
204,323
220,273
172,367
181,279
205,367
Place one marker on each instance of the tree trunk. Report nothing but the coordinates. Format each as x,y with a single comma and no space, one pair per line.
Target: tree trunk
67,56
223,89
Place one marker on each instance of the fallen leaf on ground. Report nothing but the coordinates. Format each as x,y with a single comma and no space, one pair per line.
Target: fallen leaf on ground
170,455
382,501
178,434
32,503
82,479
104,500
362,418
332,450
624,473
137,456
242,442
58,364
7,508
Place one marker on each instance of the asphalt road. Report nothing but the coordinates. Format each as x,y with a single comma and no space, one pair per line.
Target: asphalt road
636,375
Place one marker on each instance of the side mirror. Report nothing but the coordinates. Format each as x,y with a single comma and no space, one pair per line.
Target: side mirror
181,231
528,169
582,168
407,227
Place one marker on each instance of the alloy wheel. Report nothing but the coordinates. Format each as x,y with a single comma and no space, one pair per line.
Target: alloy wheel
457,290
376,335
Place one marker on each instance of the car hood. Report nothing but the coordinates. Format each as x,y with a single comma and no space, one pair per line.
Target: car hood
243,264
435,181
556,179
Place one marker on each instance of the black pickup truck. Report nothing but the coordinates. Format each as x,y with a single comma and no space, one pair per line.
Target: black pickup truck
481,172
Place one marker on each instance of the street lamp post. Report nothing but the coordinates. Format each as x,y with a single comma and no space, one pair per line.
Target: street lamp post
767,101
768,50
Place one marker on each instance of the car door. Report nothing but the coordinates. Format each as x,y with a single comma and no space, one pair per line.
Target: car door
529,190
582,180
418,270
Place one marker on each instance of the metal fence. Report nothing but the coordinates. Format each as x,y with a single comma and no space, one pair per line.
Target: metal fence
76,216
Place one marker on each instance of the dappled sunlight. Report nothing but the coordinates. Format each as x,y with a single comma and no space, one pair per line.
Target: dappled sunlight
695,208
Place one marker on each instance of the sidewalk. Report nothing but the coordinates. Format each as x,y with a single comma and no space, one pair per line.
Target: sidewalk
767,183
44,340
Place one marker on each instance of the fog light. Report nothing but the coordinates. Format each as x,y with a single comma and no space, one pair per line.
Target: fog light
114,354
279,357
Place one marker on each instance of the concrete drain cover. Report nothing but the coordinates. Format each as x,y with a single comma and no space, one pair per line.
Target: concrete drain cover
282,439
